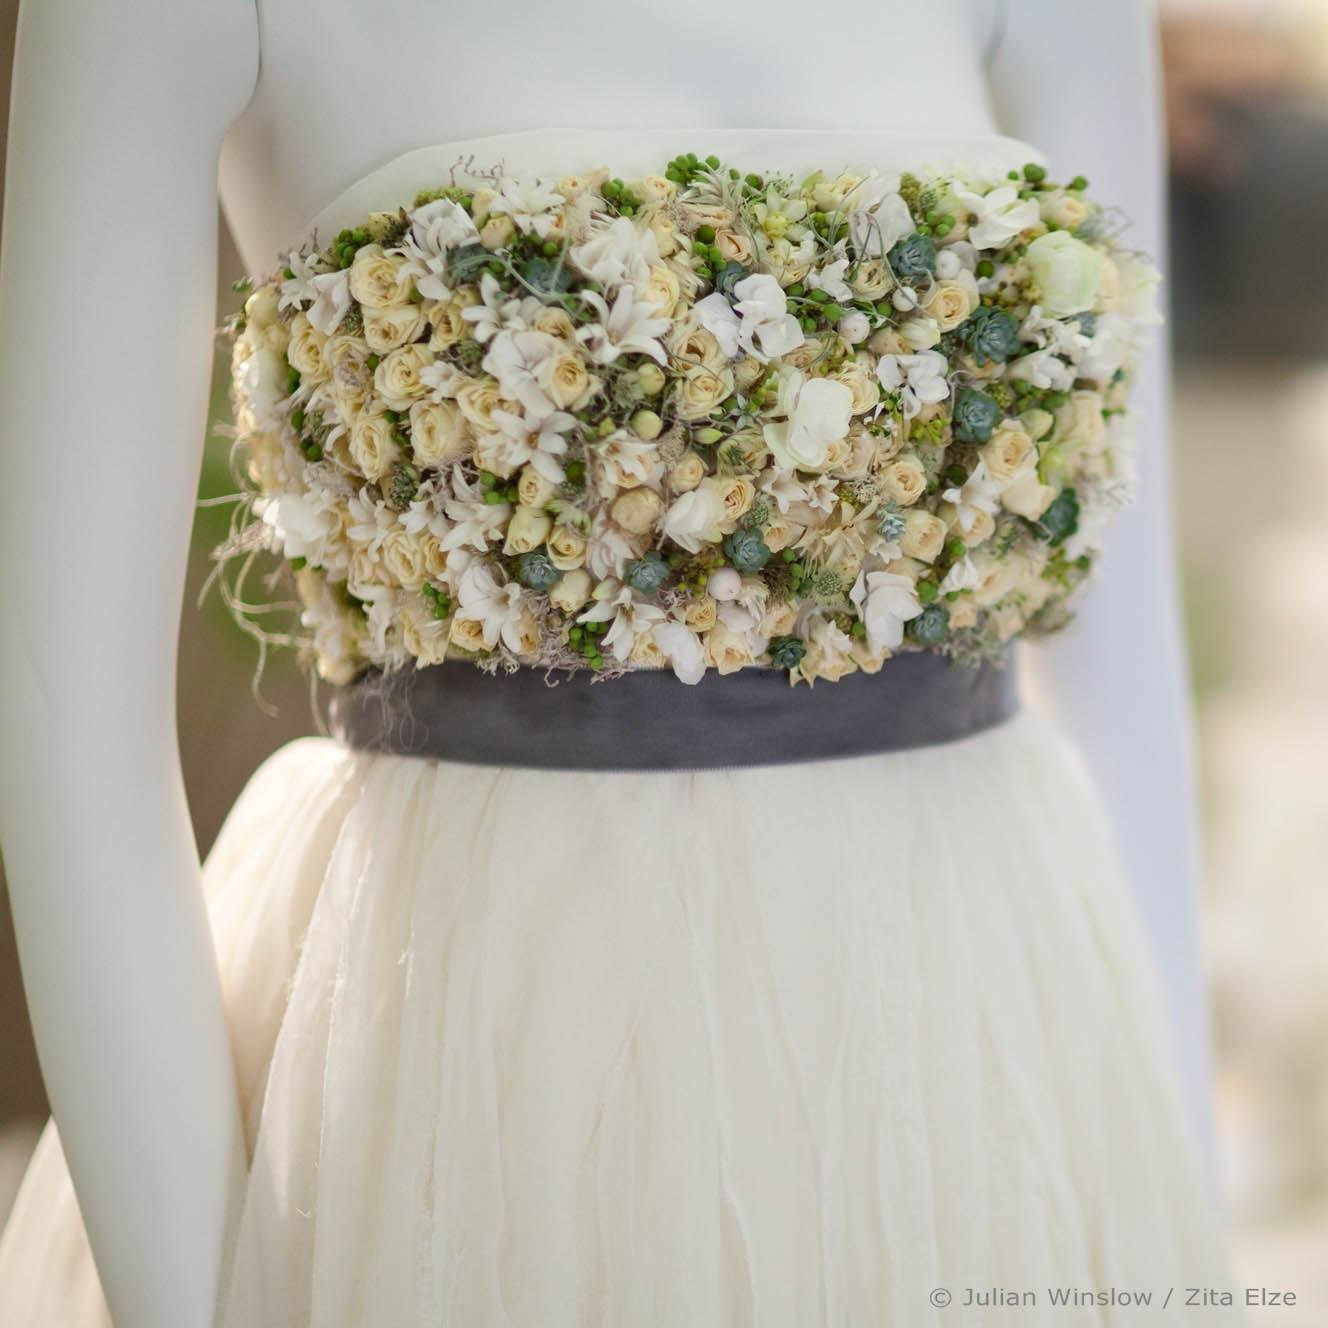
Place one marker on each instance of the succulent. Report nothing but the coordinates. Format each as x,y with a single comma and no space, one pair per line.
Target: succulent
975,416
646,575
467,262
913,257
746,550
405,484
991,334
547,276
931,626
728,277
786,652
536,571
1061,519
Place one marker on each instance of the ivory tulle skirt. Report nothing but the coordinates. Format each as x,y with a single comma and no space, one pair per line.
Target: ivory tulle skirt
786,1046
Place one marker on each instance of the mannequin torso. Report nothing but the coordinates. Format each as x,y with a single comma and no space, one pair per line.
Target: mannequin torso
102,866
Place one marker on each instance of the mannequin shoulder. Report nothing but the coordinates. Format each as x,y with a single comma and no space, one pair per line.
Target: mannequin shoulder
197,58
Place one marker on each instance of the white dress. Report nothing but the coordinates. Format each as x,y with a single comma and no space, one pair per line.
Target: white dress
790,1046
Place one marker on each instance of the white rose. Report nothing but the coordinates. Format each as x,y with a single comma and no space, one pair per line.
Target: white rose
566,381
1067,272
305,349
818,411
694,518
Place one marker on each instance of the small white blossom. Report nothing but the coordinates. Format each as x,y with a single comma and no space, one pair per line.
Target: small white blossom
531,204
980,492
498,607
632,327
435,230
1001,214
885,602
919,379
817,413
620,253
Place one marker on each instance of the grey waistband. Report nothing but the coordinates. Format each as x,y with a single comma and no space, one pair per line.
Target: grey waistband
648,720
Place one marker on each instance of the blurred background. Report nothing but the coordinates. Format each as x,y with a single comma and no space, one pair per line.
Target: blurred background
1247,93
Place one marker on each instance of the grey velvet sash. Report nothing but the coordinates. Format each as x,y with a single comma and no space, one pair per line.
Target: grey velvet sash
648,720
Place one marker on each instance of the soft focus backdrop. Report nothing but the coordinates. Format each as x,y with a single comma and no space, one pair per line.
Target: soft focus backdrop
1247,84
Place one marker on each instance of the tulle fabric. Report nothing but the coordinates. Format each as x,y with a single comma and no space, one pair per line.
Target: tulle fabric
788,1046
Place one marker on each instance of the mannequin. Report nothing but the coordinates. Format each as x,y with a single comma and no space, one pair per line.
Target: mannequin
127,115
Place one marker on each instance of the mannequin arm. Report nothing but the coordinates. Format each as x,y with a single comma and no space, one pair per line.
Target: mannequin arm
107,300
1085,88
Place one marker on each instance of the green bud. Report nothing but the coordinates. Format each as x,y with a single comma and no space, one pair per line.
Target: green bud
647,424
651,379
707,437
1034,173
706,234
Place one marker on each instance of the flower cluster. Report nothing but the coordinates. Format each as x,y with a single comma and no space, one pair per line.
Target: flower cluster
704,419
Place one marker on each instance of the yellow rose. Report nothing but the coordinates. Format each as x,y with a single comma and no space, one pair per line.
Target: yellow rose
533,489
701,614
373,445
403,557
688,471
859,380
725,650
397,378
566,381
950,303
528,528
305,348
478,398
637,510
1007,451
904,480
700,392
386,329
567,548
923,537
570,591
377,280
438,433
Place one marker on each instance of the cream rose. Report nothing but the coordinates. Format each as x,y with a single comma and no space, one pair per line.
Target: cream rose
260,309
423,635
386,329
872,279
950,303
373,445
570,591
478,398
735,248
780,619
1066,272
467,634
377,280
700,392
1027,496
404,558
923,537
695,347
1007,451
497,232
347,361
637,510
654,189
701,614
566,381
904,480
861,382
687,472
438,433
782,533
567,547
397,378
528,528
445,318
534,489
735,493
305,348
662,289
1079,421
1063,209
556,323
725,650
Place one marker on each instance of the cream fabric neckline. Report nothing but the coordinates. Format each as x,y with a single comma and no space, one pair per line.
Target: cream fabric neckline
550,153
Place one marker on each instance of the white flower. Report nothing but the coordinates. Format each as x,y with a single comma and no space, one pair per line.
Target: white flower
885,602
1108,350
682,648
298,289
620,253
497,311
878,217
979,493
537,439
759,323
694,518
1001,215
475,522
262,381
530,204
331,300
1067,272
301,521
855,327
725,584
630,617
964,575
818,412
919,379
435,229
1043,369
630,328
830,279
1064,338
608,548
498,608
513,359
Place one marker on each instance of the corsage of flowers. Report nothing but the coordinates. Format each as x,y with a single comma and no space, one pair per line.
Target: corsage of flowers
702,420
